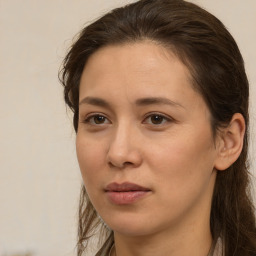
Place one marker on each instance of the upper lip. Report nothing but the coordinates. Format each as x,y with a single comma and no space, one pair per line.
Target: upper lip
124,187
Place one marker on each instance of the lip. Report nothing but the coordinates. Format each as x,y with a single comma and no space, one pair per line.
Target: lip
125,193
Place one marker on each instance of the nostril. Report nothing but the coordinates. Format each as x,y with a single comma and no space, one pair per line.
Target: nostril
120,165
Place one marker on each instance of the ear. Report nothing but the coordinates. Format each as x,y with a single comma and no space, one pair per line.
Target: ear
230,142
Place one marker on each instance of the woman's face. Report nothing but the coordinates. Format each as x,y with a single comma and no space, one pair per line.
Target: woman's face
144,142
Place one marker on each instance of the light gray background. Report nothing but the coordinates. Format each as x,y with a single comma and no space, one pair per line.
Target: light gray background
39,175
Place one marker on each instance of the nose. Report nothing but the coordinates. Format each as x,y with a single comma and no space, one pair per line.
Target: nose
124,149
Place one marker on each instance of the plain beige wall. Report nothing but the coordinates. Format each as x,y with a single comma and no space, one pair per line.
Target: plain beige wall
39,176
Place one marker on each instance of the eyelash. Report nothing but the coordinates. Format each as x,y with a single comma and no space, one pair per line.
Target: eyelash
163,118
88,119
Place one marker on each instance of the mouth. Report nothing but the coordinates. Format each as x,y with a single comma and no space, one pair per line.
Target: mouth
125,193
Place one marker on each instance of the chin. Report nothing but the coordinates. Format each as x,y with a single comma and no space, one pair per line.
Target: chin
132,226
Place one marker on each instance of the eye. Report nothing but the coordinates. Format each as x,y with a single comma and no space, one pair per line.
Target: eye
96,120
157,119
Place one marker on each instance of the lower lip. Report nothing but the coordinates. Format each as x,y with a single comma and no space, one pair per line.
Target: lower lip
128,197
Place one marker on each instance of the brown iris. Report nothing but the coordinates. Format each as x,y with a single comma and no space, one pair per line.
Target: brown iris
157,119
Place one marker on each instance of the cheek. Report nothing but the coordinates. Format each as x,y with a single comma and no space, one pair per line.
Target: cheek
182,177
185,162
90,157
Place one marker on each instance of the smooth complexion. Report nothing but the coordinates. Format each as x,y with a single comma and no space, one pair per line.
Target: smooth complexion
142,123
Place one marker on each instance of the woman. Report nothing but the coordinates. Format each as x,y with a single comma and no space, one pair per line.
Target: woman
160,101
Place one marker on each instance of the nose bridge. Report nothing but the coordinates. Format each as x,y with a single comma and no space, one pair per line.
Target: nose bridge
123,147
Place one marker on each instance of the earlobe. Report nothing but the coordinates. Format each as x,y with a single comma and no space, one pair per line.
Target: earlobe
230,142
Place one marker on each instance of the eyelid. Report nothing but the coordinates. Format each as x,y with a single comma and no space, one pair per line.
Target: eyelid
89,116
166,117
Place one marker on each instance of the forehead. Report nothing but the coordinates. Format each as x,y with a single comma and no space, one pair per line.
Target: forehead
145,62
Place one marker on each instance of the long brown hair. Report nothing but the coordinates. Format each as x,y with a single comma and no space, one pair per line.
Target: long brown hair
205,46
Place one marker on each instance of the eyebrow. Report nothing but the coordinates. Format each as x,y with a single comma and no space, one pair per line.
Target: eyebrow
157,101
139,102
95,101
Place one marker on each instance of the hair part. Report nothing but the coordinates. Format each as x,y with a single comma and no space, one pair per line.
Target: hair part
210,53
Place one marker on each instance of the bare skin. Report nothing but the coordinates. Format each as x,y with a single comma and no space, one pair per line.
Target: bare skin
141,122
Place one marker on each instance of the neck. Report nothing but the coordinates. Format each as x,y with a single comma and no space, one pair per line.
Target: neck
186,243
191,237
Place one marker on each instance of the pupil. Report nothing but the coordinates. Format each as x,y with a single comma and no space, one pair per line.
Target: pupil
156,119
99,119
